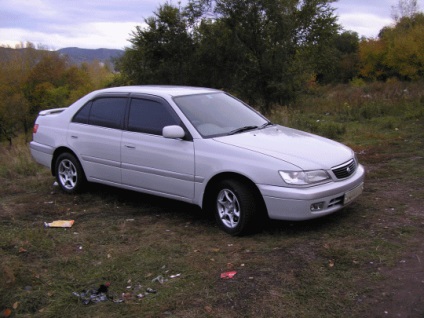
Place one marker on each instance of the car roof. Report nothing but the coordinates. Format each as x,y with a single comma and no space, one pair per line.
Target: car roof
160,90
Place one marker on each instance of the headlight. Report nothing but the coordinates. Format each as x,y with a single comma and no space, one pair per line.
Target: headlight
304,177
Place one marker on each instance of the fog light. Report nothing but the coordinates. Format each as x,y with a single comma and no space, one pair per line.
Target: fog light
317,206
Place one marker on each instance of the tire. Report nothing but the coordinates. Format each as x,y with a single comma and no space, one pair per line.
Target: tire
69,173
236,208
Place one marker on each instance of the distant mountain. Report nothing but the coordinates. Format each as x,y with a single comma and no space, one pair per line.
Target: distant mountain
78,56
74,54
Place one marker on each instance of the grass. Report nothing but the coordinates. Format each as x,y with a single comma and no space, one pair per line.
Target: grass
331,267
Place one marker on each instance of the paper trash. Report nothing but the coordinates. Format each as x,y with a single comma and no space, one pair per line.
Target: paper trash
60,223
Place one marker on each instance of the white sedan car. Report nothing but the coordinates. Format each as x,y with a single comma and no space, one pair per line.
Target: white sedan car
200,146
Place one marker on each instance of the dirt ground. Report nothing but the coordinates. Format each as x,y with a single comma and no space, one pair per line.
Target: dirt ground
401,292
405,290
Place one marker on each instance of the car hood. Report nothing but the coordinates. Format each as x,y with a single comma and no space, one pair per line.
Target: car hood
304,150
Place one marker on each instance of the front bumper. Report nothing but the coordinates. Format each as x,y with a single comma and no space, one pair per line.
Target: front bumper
295,203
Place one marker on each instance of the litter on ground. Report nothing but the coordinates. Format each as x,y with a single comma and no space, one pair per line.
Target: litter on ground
228,275
59,223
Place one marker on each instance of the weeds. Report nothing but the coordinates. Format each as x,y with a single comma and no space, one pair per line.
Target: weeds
16,161
337,112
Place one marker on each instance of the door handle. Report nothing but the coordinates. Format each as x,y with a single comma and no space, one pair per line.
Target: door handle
130,146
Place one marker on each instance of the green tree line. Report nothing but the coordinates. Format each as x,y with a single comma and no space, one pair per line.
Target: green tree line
267,51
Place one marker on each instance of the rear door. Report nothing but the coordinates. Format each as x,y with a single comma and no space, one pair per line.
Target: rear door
95,134
150,162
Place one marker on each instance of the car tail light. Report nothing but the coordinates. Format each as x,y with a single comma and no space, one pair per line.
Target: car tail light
34,130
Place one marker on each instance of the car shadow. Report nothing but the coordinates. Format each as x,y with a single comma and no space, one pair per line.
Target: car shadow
145,204
326,223
142,203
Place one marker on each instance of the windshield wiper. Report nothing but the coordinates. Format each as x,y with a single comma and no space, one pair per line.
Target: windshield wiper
241,129
266,125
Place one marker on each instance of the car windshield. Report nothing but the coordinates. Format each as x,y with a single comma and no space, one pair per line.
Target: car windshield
218,114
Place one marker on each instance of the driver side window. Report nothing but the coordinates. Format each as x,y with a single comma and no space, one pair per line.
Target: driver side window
150,116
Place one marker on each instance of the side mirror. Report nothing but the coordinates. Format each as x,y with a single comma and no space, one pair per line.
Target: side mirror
173,132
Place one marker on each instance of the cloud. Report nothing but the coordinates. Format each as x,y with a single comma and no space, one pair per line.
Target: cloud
102,35
108,24
365,24
59,23
91,35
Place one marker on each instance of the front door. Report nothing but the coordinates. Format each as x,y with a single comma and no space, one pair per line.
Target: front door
150,162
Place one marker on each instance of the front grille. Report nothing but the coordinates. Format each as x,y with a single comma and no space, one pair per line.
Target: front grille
345,170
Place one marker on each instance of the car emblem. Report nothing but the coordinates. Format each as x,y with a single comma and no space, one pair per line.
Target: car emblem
348,169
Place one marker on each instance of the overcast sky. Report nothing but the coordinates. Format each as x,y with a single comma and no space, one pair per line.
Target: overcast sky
93,24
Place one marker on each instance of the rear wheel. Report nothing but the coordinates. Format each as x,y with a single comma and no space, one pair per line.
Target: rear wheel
69,173
236,208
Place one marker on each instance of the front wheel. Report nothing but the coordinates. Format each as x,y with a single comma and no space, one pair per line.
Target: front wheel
236,208
69,173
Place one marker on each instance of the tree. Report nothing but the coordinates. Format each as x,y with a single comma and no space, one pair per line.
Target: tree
53,83
78,82
13,113
404,9
262,50
405,47
14,108
161,52
372,56
215,61
99,74
398,52
339,60
33,79
280,44
43,79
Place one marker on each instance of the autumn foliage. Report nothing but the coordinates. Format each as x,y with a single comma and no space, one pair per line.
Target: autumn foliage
398,52
35,79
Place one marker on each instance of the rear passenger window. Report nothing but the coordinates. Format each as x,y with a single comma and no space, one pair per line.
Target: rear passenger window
108,112
150,116
83,114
